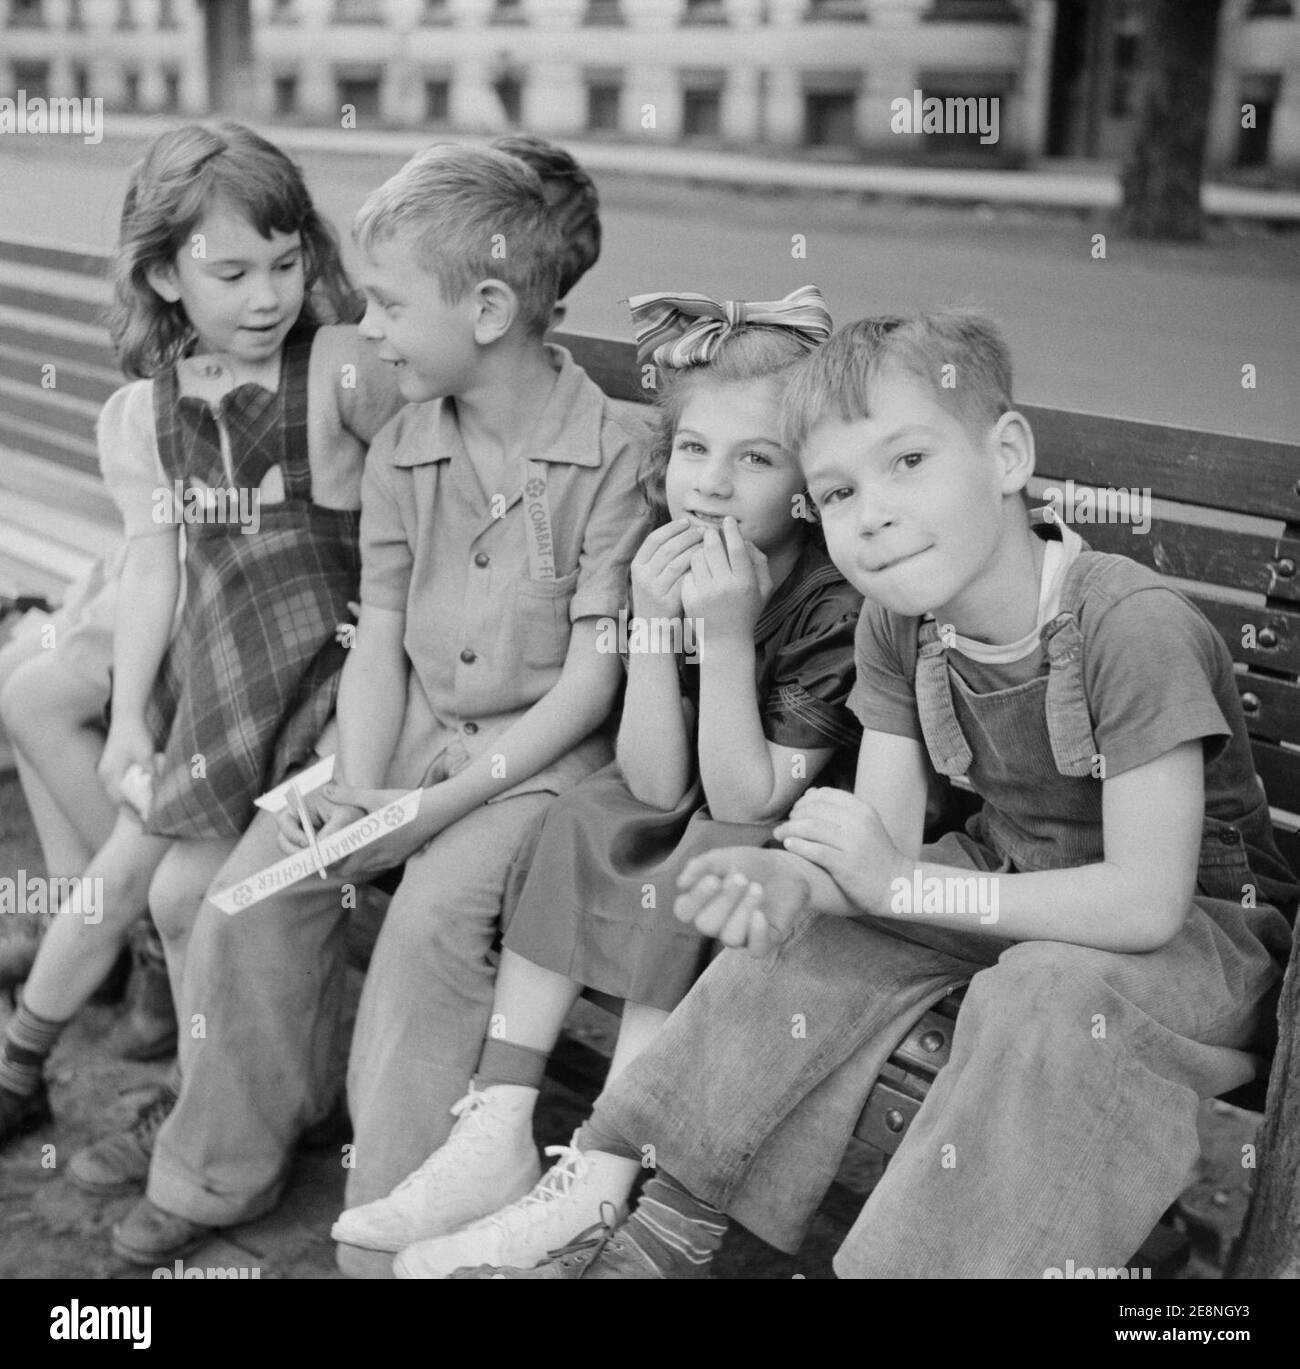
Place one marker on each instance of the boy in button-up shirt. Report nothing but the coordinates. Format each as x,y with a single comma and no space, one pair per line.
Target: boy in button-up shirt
499,515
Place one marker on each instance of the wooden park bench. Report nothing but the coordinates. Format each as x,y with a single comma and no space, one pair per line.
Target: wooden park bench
1225,529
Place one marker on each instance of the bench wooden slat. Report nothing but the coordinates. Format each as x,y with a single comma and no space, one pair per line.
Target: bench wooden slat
79,261
1279,768
81,345
1272,707
50,408
39,301
610,362
38,440
1237,560
69,377
1174,463
1276,633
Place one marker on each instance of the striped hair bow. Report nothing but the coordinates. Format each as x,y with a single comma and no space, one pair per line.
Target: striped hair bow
675,331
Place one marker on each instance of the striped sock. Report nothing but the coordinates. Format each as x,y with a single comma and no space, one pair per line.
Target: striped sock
677,1232
28,1041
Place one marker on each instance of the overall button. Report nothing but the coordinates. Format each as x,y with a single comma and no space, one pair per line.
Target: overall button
1229,836
471,729
468,656
481,560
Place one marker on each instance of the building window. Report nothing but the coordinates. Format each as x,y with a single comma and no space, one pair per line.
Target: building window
358,12
125,19
131,89
282,12
830,118
26,14
76,20
436,12
835,12
362,93
507,12
34,78
171,89
702,113
1260,92
604,103
284,95
705,12
603,14
510,91
80,80
437,100
167,16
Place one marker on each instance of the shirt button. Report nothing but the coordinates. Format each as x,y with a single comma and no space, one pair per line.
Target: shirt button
468,656
1228,836
482,559
471,729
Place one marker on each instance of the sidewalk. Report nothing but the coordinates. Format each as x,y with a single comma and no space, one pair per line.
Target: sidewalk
1050,187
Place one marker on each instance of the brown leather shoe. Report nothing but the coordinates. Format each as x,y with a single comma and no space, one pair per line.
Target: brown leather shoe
147,1031
23,1112
150,1235
118,1161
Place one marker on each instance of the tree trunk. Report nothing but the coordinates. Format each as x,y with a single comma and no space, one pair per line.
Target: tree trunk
1162,177
1270,1244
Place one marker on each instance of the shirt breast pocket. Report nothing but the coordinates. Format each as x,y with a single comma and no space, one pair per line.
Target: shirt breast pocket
542,620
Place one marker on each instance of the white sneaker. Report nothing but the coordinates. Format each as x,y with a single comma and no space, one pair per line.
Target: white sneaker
488,1157
564,1203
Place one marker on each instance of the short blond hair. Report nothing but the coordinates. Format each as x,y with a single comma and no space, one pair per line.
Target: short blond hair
475,214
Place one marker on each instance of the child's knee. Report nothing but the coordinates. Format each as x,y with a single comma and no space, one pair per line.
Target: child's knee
39,694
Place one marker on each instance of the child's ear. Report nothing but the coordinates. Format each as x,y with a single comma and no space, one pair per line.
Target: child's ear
496,306
559,313
1015,448
162,279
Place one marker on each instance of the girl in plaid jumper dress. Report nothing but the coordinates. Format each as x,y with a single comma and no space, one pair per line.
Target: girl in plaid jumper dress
247,428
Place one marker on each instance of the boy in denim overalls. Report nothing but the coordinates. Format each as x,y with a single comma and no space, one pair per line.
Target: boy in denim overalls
1114,904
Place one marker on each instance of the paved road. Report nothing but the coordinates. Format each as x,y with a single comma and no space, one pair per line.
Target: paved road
1152,331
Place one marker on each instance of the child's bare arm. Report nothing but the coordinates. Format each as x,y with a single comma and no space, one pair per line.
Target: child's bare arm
145,607
1134,900
654,743
749,897
570,711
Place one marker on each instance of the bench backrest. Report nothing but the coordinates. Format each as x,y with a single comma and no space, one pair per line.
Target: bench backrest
1226,522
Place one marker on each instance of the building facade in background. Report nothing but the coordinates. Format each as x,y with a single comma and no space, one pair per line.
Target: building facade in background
817,76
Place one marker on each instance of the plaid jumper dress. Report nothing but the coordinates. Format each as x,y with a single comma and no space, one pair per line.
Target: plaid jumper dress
250,680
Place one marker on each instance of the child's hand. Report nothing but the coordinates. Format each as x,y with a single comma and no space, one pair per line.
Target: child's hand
326,818
658,567
128,744
742,895
728,584
843,835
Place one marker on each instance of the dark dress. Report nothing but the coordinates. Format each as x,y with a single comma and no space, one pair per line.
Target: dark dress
249,682
590,894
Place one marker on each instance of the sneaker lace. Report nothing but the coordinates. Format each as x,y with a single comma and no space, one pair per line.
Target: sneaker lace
595,1238
475,1120
558,1181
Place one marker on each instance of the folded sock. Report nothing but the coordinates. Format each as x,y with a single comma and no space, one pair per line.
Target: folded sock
676,1231
506,1062
28,1041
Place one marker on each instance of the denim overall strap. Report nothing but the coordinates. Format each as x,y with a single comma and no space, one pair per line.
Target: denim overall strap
1069,723
944,740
